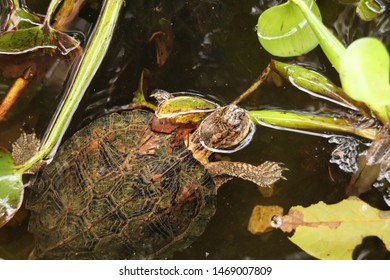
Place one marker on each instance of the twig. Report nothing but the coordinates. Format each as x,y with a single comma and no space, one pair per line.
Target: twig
15,91
67,12
263,76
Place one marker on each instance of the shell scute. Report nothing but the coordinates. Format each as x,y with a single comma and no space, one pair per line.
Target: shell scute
118,190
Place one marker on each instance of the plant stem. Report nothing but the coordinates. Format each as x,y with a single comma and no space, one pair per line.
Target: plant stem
89,64
50,11
331,46
15,91
263,76
309,122
15,4
67,12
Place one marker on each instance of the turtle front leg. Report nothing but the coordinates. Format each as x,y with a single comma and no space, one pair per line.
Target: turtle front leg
262,175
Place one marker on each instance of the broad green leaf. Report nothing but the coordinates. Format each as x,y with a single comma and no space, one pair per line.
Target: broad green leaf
284,31
33,38
364,74
11,188
364,71
333,231
302,121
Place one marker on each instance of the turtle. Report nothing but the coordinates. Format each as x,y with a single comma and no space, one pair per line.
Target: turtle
118,190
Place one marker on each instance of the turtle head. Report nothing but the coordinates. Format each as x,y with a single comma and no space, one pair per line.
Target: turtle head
226,130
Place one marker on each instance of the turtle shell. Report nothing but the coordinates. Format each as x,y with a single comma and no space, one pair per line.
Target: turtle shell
117,190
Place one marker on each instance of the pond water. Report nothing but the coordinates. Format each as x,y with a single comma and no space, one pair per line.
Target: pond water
213,50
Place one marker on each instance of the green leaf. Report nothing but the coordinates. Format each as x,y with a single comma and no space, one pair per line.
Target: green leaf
185,109
33,35
20,18
11,188
24,19
364,74
33,38
369,9
284,31
333,231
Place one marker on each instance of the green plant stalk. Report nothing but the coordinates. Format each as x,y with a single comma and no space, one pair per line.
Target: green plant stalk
331,46
89,64
139,96
256,84
309,122
334,51
15,4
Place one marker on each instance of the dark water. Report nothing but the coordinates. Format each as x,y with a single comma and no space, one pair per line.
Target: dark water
215,52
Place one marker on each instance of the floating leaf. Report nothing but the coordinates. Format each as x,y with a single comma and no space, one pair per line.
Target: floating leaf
36,37
369,9
185,109
11,188
283,30
17,17
364,74
333,231
25,19
33,38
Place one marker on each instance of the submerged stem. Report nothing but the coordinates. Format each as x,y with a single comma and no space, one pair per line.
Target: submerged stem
89,64
15,92
50,11
263,76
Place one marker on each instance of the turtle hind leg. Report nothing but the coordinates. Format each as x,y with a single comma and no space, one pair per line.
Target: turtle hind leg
262,175
219,180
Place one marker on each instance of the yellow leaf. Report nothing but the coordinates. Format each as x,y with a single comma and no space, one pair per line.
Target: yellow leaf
333,231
